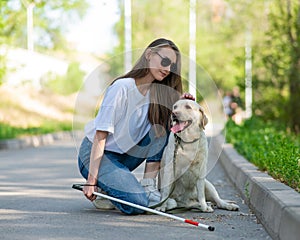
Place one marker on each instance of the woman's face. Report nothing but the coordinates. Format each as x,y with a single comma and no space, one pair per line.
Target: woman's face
158,61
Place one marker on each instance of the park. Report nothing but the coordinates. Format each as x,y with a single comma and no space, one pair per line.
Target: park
239,59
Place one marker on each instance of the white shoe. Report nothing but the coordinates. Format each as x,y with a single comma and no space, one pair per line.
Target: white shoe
153,194
103,203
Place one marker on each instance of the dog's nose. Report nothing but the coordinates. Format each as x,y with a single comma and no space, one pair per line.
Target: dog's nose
175,115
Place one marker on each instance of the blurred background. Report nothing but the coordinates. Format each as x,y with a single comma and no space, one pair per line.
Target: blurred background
243,53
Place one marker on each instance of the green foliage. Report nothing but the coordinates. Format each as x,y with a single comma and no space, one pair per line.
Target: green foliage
219,41
220,44
67,84
8,132
277,69
270,147
150,20
3,68
51,20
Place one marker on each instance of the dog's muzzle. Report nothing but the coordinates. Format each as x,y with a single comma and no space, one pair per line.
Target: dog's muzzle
179,125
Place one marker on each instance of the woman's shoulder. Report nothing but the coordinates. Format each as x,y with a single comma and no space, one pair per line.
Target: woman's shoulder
121,86
124,82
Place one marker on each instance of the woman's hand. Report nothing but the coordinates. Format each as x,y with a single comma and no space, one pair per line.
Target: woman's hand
88,190
187,96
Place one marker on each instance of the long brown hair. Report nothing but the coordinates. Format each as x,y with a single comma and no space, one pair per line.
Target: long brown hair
163,94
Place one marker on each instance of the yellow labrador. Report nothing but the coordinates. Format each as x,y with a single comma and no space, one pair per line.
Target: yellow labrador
183,167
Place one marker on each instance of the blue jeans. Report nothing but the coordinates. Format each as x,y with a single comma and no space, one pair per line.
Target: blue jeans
115,177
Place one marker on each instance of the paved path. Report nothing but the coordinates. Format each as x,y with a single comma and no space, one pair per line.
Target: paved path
37,202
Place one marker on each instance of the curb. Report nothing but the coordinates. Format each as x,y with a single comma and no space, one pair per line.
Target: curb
37,140
276,205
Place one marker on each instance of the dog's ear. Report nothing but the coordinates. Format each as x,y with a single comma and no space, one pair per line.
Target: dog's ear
204,119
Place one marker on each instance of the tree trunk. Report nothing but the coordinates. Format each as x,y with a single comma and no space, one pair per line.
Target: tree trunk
294,76
294,101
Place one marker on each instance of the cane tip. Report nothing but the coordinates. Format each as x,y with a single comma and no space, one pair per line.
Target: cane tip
210,228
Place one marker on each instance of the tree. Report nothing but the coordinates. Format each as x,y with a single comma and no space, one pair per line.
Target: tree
293,32
275,28
220,35
279,75
66,84
51,20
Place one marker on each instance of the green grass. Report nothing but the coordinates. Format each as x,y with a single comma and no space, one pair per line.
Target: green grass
270,147
8,132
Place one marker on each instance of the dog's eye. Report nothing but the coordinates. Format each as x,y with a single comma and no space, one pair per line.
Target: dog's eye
188,107
174,107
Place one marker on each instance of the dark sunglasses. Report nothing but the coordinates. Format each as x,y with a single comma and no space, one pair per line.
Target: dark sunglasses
165,62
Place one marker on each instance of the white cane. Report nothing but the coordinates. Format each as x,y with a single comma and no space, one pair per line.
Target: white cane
203,226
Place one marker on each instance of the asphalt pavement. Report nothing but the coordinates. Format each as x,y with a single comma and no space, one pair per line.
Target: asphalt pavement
37,202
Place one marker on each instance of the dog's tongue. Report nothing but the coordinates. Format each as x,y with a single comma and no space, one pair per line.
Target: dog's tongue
178,127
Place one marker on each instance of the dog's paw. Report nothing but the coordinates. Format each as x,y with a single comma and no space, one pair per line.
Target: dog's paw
171,203
167,205
205,207
162,208
208,209
232,207
228,205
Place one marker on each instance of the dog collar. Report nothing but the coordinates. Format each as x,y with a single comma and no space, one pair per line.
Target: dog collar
178,140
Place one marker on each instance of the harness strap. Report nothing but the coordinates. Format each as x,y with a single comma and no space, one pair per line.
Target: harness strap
177,143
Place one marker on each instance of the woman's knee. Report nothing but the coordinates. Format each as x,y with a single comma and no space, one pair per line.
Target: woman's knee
140,200
131,210
138,197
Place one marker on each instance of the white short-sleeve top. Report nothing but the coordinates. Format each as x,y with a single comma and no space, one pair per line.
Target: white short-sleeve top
123,114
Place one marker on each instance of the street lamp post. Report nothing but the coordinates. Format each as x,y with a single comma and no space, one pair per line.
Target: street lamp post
30,45
248,73
29,8
192,49
128,40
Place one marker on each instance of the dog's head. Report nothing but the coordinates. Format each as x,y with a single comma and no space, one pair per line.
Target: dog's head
188,119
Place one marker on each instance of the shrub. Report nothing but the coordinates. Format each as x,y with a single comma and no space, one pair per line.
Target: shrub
8,132
67,84
270,147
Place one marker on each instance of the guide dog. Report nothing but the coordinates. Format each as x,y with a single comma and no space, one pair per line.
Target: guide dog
182,178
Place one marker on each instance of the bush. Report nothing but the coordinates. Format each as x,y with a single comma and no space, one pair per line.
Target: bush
270,147
67,84
8,132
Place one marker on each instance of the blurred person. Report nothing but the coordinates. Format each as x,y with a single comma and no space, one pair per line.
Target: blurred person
236,98
227,100
132,125
236,106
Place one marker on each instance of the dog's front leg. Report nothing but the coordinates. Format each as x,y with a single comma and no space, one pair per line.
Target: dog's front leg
212,194
201,196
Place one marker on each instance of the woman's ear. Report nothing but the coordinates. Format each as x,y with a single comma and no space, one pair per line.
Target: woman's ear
148,54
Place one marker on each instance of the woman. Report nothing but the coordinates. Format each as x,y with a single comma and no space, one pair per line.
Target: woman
131,126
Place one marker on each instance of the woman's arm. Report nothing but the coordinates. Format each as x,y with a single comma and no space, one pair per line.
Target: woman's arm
95,158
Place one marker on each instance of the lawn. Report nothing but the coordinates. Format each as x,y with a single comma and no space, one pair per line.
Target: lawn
27,111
